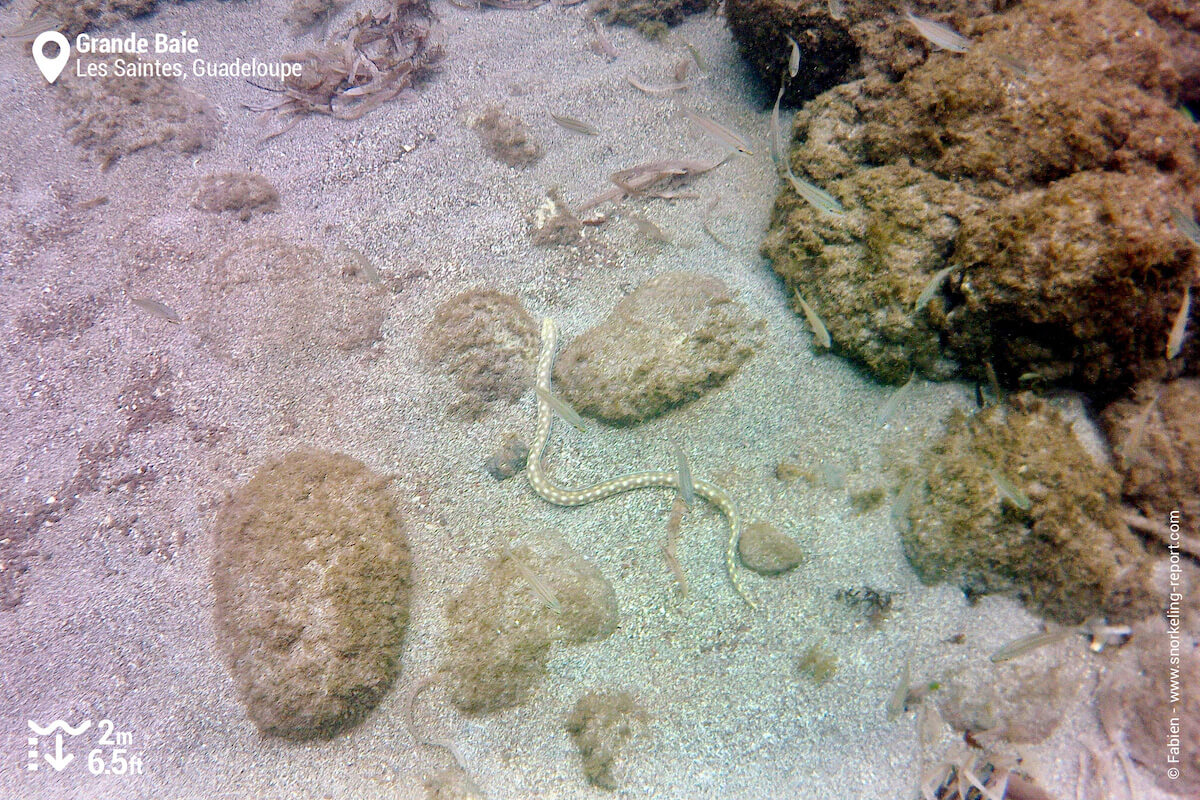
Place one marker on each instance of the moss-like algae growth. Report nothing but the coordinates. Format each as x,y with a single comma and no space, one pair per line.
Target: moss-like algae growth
311,577
502,628
1069,556
603,725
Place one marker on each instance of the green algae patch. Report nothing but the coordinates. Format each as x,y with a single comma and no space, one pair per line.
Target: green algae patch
311,577
1069,556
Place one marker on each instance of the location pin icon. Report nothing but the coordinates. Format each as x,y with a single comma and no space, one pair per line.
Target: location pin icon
51,67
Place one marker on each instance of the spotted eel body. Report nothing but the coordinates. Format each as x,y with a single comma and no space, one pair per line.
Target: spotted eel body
560,496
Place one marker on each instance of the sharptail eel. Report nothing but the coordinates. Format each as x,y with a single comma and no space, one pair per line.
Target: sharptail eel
553,493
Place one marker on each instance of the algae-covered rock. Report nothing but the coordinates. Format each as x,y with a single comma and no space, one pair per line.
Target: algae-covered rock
507,138
1014,702
76,16
120,114
486,341
864,281
604,725
1181,21
268,303
1033,174
649,17
767,550
243,193
839,42
1008,500
1156,447
503,625
311,577
1077,282
674,338
829,53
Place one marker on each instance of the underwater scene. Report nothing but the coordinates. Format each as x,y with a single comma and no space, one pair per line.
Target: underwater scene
556,399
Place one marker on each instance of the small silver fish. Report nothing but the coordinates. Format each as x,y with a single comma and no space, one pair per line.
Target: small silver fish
560,407
687,489
893,403
1027,644
793,57
814,195
718,131
656,91
572,124
776,144
938,34
157,309
932,287
1186,225
895,705
543,591
1179,326
602,43
820,332
695,54
647,227
680,71
1009,490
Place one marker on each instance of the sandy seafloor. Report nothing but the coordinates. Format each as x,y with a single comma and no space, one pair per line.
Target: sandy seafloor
116,621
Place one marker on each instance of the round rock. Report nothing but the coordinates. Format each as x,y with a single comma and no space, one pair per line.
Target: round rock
311,577
668,342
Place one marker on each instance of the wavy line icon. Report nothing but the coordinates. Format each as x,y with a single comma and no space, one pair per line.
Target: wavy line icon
58,723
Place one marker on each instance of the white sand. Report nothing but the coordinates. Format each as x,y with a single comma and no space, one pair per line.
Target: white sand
107,632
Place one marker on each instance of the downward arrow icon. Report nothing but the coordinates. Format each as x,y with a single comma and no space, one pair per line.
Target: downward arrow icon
58,760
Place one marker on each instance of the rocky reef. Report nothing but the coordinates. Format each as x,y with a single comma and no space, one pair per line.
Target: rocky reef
1027,182
1010,501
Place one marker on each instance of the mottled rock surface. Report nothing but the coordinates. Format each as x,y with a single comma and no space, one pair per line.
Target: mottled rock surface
650,17
501,627
76,16
118,115
1068,556
311,578
507,138
1134,700
767,551
829,54
271,304
242,193
674,338
1181,21
1039,167
604,726
486,341
867,38
1156,446
1019,704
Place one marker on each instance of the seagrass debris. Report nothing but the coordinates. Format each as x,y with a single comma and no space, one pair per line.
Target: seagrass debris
373,60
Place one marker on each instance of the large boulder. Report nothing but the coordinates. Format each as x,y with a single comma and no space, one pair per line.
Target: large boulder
311,577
